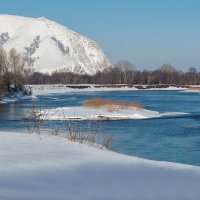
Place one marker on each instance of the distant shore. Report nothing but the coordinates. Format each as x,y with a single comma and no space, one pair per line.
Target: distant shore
64,88
60,88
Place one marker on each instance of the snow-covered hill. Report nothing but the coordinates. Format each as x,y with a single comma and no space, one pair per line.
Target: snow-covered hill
48,46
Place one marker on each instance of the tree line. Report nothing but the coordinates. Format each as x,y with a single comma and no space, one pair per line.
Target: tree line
124,72
14,74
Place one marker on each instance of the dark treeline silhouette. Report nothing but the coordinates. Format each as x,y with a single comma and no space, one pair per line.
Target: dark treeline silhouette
124,72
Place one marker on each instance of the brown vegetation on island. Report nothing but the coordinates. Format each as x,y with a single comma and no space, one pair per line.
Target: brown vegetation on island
110,105
35,119
194,88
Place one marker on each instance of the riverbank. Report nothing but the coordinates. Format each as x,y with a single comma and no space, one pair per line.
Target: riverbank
61,88
54,168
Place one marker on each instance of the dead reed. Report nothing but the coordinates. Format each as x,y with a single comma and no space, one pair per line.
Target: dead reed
110,105
194,88
35,118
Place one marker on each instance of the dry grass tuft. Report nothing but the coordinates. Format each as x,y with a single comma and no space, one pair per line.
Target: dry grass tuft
92,135
35,118
194,88
110,105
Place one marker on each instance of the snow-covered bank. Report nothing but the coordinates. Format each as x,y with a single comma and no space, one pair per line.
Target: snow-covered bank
54,168
193,90
169,88
61,88
85,113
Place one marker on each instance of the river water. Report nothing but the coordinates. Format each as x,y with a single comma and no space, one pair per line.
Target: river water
175,139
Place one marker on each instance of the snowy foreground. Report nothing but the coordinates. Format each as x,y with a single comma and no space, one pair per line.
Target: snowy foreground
53,168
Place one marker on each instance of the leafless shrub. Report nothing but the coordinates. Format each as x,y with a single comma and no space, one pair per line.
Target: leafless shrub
107,142
35,118
91,136
55,132
75,134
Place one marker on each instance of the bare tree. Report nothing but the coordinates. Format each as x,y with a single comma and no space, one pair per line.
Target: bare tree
3,61
16,68
12,70
125,67
168,68
3,69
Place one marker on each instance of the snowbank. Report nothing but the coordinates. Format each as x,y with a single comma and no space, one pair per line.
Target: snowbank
54,168
85,113
169,88
61,88
188,90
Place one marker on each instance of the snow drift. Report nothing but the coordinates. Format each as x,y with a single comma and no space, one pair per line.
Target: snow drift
84,113
54,168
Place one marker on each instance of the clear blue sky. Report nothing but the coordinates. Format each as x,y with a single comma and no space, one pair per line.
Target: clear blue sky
146,32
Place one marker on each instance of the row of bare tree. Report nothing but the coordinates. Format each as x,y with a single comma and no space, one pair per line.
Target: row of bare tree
124,72
14,73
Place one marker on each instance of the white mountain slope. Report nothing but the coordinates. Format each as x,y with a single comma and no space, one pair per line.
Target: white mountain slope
48,46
